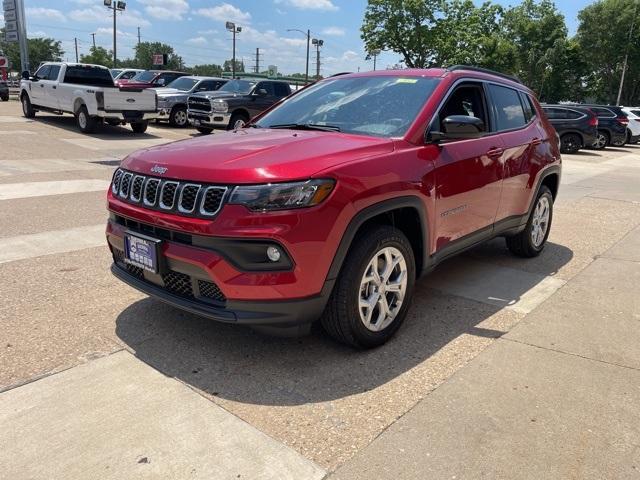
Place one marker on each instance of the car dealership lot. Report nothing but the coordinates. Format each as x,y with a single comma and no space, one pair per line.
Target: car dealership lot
505,367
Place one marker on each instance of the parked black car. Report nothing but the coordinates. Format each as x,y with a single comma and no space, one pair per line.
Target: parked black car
577,127
4,91
612,125
234,104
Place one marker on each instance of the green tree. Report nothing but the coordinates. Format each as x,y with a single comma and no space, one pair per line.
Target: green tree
603,34
146,50
98,56
239,65
209,70
40,50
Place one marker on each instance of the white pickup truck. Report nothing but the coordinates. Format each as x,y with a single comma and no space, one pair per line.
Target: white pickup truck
87,92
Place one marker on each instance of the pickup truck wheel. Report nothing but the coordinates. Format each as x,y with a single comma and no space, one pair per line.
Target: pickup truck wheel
371,296
178,117
531,241
238,120
570,143
27,108
601,141
139,127
204,130
86,123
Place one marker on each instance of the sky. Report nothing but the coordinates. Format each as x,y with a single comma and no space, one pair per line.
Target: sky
196,29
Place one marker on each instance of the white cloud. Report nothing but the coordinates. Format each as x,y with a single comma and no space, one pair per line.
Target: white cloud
326,5
108,32
197,41
334,31
225,12
166,9
97,14
45,13
37,34
210,31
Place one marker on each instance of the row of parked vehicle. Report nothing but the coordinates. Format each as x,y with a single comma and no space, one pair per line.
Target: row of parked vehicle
593,126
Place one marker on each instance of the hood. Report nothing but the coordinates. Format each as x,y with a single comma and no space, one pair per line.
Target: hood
164,91
256,155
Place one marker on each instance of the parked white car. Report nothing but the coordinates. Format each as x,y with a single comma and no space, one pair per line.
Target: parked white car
633,128
87,92
125,73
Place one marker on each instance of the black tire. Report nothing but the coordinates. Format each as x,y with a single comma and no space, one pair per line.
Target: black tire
86,123
139,127
5,99
27,108
178,117
342,317
602,140
238,120
570,143
619,142
204,130
522,244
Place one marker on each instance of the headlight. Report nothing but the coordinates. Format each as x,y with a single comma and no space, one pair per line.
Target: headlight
282,196
220,106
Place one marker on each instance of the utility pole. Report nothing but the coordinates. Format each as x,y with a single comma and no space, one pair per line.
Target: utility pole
626,55
75,39
374,54
232,28
257,67
308,35
318,43
138,35
93,35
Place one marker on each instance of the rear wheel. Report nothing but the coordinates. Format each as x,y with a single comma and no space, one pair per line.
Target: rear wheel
371,296
238,120
601,141
531,241
570,143
178,117
27,108
619,142
204,130
86,123
139,127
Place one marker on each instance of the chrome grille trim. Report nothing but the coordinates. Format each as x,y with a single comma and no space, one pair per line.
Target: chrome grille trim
115,182
125,184
132,188
181,197
173,197
155,197
203,210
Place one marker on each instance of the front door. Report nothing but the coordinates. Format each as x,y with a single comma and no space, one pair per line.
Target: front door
468,173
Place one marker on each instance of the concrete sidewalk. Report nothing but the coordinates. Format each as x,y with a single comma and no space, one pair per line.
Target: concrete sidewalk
557,397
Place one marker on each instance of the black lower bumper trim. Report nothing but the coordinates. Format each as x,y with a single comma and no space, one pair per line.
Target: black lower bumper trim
281,314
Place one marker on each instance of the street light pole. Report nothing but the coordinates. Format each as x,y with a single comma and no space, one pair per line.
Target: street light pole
626,55
318,43
116,6
308,35
232,28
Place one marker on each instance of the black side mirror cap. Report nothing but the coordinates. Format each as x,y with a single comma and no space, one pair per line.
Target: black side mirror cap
26,75
460,127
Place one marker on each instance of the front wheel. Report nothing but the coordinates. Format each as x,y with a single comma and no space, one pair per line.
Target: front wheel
531,241
27,108
372,294
139,127
5,99
238,120
178,117
570,143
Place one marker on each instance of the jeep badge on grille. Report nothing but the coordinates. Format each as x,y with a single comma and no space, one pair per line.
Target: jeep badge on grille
159,170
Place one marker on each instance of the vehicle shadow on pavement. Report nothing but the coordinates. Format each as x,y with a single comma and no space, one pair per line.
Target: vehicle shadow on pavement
238,364
103,131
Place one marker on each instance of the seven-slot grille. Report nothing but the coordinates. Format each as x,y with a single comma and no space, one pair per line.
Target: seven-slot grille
199,103
185,198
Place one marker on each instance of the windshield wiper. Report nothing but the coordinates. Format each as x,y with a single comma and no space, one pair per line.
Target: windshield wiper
308,126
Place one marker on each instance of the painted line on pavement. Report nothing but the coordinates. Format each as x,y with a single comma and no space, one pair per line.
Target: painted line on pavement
48,165
11,191
22,247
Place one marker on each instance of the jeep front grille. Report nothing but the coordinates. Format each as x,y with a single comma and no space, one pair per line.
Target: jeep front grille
183,198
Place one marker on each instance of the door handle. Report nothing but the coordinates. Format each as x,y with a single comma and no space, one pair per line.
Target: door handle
495,152
54,87
536,141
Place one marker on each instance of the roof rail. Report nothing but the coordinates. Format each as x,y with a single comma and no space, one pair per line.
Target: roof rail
339,74
454,68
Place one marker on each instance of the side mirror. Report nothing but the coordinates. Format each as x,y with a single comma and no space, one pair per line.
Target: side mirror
261,92
457,127
26,75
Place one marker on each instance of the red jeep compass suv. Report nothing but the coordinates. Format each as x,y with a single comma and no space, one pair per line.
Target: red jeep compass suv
329,205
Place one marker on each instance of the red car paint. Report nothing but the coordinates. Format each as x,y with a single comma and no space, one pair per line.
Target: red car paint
465,187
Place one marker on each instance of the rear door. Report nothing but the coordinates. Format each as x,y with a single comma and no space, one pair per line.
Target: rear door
468,172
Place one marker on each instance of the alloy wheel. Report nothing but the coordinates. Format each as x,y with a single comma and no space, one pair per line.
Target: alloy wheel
540,222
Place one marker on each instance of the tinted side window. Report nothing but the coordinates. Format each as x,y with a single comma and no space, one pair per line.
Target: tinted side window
43,71
268,86
527,104
573,115
53,72
128,75
508,108
209,85
88,75
636,112
281,89
603,112
467,100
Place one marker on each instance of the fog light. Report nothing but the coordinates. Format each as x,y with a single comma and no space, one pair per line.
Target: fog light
273,253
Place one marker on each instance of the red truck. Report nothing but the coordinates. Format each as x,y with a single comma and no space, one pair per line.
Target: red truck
329,205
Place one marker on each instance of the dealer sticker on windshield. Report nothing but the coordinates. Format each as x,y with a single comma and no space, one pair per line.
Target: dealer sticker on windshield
407,80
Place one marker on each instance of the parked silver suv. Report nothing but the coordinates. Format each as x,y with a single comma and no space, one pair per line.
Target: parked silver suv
172,99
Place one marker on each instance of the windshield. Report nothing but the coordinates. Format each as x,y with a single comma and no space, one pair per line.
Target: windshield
145,76
237,86
184,84
381,106
115,72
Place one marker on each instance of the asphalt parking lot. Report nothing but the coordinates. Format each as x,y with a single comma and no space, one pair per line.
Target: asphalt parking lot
506,368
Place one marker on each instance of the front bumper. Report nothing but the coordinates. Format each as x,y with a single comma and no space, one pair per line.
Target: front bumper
209,119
